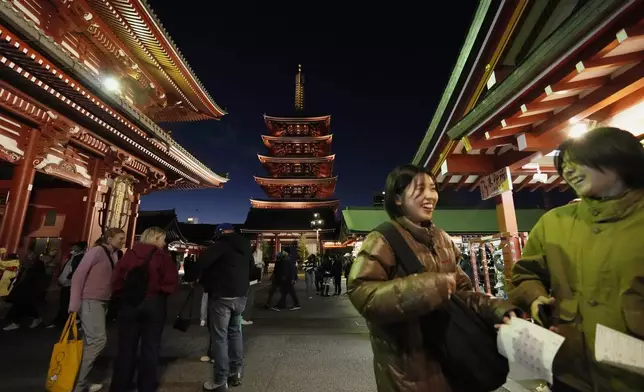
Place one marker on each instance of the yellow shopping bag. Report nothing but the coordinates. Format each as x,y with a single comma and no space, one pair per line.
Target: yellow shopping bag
65,359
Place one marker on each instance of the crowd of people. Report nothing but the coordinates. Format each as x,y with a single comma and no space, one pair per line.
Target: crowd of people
581,267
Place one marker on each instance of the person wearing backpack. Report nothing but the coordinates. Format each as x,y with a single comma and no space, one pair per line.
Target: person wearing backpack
143,280
90,294
399,306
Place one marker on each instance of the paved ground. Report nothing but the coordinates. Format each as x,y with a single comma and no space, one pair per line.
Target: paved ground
322,347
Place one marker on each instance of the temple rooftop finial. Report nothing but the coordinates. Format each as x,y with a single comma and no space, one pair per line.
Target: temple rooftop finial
299,89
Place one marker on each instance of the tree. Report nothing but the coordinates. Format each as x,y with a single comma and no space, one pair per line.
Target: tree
302,250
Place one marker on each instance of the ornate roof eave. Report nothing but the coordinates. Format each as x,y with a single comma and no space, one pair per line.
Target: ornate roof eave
295,181
144,28
325,119
295,139
304,204
324,159
46,44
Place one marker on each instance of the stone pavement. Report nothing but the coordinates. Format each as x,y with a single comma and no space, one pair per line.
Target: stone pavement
322,347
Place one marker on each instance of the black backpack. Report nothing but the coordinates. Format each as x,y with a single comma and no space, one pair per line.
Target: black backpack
136,282
461,340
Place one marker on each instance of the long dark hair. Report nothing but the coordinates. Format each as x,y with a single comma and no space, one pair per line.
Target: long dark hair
397,181
606,148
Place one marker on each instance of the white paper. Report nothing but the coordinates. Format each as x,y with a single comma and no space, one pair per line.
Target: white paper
530,346
619,349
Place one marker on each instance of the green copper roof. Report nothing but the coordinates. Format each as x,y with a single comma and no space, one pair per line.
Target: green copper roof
363,220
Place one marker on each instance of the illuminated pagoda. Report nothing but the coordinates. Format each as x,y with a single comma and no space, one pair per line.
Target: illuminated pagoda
300,181
83,85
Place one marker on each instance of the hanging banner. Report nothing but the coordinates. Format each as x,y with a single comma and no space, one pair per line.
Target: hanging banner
496,183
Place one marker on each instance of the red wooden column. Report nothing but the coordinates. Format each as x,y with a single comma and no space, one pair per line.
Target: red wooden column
134,215
276,248
507,219
19,193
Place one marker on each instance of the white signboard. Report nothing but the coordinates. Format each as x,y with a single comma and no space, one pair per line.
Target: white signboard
496,183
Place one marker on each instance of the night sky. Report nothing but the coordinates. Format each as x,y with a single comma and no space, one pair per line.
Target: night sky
379,71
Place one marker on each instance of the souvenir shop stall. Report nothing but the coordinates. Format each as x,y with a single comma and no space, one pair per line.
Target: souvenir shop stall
484,262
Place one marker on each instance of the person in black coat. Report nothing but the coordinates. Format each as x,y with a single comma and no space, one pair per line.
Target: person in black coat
336,271
287,282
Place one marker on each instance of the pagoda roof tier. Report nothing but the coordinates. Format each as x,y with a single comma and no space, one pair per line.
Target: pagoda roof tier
299,120
324,159
295,181
284,220
298,126
113,121
320,167
298,188
137,26
268,140
295,204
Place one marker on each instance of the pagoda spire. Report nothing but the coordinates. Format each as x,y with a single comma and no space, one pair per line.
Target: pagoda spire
299,89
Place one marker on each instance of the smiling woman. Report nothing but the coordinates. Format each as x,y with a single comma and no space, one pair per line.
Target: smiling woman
585,258
605,162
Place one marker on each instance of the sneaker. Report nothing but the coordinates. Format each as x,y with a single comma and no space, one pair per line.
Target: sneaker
35,323
296,307
310,297
95,387
276,309
51,326
202,323
205,358
235,380
11,327
246,322
211,386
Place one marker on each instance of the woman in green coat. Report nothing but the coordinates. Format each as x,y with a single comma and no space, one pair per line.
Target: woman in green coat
587,258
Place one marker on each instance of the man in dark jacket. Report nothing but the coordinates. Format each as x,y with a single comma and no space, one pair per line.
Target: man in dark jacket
224,272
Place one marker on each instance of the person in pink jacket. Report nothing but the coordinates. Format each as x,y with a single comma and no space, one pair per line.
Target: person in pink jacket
90,294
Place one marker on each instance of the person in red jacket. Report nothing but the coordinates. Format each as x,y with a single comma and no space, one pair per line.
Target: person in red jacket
142,322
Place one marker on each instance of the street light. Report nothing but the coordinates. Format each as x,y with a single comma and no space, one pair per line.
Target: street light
317,223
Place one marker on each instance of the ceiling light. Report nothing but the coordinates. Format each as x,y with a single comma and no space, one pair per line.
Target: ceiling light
578,130
111,84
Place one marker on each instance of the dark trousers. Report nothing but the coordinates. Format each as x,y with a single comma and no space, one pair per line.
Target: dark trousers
63,307
287,288
21,311
139,325
318,282
337,283
271,292
250,300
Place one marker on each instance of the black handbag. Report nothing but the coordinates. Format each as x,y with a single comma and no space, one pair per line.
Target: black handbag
458,336
183,323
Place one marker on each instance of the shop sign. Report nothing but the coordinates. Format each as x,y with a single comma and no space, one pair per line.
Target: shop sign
496,183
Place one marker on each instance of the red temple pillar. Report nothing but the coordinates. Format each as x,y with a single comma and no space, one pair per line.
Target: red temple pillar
134,215
19,193
507,219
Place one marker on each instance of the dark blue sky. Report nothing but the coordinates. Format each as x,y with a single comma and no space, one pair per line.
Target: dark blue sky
378,70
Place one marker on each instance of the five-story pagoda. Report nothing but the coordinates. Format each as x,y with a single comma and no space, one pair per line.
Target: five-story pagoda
300,180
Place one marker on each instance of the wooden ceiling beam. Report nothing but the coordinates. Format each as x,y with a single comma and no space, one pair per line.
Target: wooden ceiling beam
444,184
609,62
530,142
554,184
461,182
475,184
520,120
548,105
577,86
500,132
468,164
526,181
479,143
623,85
